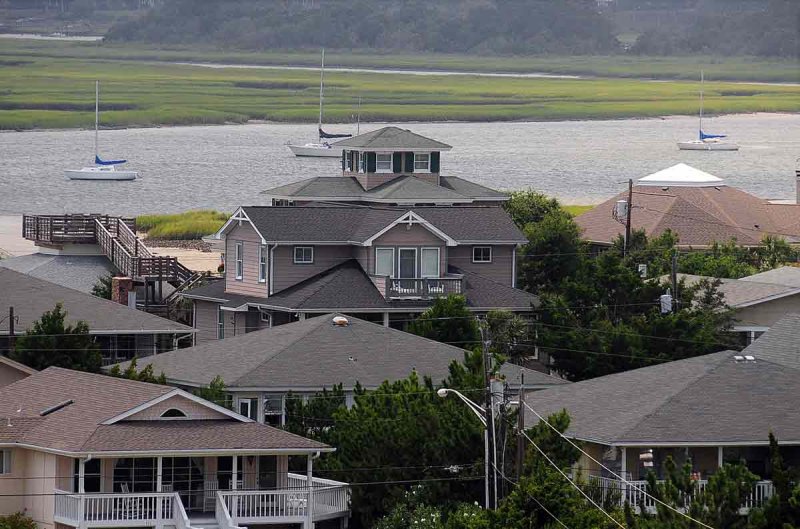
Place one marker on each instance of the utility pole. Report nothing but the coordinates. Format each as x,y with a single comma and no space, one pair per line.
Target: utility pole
491,452
521,426
628,217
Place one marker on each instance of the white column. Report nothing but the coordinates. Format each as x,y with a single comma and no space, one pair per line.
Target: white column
310,502
624,466
720,460
159,504
385,319
81,475
234,478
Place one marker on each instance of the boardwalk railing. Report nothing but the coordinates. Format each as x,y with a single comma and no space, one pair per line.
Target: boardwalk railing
634,493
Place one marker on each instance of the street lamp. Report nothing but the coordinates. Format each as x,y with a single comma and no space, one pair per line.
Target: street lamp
479,412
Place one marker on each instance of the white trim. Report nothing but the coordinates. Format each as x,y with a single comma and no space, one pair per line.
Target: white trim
749,328
416,261
238,216
156,453
270,288
304,247
412,218
220,323
375,263
262,258
238,255
766,299
491,257
426,170
514,272
16,365
174,393
5,459
438,261
378,170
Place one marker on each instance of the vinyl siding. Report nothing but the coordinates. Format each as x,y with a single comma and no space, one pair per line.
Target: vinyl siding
193,410
30,485
248,285
205,321
286,273
500,269
417,237
768,313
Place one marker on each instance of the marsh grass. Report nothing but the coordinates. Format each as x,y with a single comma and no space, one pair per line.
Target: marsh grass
186,225
577,210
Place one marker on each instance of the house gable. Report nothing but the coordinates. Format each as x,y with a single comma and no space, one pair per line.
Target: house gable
193,407
411,219
11,371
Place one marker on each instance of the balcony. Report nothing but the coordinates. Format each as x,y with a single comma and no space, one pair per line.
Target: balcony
418,288
328,499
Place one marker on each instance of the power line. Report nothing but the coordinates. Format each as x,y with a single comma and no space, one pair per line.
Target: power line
531,496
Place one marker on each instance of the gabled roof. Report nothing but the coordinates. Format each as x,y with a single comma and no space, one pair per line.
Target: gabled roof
680,175
31,297
357,225
403,189
707,400
393,139
699,215
314,354
784,275
22,369
79,272
89,401
743,292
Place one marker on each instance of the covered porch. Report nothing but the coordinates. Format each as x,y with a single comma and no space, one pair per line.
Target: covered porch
182,492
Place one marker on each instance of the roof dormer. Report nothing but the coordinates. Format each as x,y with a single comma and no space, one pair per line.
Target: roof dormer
378,157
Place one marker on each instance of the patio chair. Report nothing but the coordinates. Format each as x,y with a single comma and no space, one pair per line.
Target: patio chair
126,508
210,488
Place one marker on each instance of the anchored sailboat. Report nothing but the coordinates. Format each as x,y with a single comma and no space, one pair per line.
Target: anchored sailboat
103,169
321,149
706,142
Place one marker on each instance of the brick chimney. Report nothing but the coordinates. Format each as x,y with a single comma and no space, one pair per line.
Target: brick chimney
120,289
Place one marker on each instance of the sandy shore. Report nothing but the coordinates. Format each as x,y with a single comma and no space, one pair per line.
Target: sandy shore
11,242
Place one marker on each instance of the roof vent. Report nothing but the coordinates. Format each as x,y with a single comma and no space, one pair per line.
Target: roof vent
738,358
340,321
53,409
749,358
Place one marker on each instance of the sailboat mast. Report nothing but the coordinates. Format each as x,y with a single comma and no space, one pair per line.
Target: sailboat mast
96,116
321,94
702,80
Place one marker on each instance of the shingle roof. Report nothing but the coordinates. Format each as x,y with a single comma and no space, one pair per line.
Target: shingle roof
393,138
699,215
31,297
784,275
708,399
402,189
357,224
95,398
314,354
743,292
79,272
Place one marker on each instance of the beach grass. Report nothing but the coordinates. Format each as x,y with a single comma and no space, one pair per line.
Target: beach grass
181,226
39,91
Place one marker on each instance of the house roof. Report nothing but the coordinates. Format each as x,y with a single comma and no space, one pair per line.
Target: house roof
355,225
31,297
710,399
16,365
346,287
784,275
403,189
681,175
79,272
699,214
744,292
82,426
393,138
314,354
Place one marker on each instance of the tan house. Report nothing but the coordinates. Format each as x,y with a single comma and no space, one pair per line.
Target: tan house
85,450
11,371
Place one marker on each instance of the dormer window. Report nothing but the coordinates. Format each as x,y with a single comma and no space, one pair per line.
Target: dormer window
422,162
173,413
383,163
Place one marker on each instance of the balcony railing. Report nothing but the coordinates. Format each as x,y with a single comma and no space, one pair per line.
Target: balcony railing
418,287
125,510
633,492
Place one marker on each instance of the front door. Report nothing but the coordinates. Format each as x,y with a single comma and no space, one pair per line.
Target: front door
407,267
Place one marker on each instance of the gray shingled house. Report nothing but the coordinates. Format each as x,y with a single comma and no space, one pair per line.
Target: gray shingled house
260,368
388,166
120,331
706,410
88,450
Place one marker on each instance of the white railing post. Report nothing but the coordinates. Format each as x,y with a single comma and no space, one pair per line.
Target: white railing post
310,497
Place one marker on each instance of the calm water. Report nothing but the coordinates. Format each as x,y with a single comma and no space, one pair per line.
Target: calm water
227,166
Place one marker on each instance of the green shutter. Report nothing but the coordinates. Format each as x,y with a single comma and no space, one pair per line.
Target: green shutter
397,162
372,161
409,165
434,162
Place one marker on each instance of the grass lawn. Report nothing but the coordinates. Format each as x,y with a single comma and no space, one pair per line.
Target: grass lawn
577,210
186,225
48,91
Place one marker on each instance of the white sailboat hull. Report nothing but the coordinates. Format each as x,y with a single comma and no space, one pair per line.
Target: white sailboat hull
316,150
706,145
102,172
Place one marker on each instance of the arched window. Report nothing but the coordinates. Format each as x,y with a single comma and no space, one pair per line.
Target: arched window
173,412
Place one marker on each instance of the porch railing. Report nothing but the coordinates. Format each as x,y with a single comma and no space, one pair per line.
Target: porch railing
633,492
103,510
417,287
330,497
249,506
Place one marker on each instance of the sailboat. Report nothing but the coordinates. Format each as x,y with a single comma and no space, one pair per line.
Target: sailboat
706,142
321,149
102,169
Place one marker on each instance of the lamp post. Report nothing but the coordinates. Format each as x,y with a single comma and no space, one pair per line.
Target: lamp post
480,413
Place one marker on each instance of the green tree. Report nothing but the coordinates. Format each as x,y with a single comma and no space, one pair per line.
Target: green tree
780,512
448,320
145,375
310,417
215,392
512,336
53,342
18,520
102,289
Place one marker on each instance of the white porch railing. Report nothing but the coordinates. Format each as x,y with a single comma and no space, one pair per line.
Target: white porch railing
331,498
120,510
633,492
252,506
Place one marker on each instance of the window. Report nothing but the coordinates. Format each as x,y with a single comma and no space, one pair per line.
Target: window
430,262
383,163
91,475
407,263
220,323
422,162
348,160
262,264
303,254
139,473
5,462
273,410
265,316
384,262
249,407
282,202
481,254
361,161
173,413
239,261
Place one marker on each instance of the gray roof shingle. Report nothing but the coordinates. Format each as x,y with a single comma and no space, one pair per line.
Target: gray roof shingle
79,272
393,138
314,354
743,292
31,297
783,275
